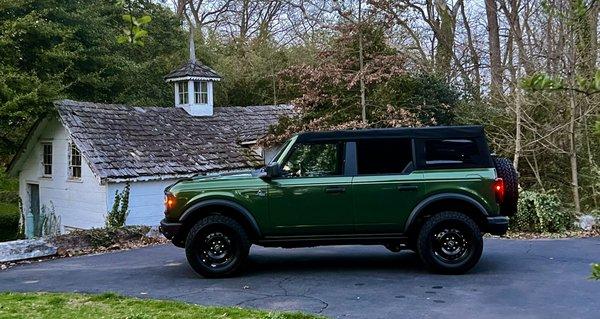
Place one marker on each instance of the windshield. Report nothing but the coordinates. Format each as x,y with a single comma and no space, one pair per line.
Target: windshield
280,151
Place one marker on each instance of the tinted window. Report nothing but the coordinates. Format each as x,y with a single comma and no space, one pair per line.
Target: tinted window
452,152
312,160
384,156
280,151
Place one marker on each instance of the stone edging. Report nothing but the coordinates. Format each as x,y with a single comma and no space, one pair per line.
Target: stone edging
26,249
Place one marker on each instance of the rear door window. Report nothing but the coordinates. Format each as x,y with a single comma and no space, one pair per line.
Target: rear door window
453,153
384,156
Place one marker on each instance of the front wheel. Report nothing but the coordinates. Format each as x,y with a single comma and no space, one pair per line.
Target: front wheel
217,246
450,243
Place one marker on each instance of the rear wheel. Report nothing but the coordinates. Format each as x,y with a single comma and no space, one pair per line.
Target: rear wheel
449,242
217,246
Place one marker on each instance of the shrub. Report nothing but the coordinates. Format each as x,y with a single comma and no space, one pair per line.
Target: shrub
540,212
48,223
106,237
595,271
7,196
120,209
9,222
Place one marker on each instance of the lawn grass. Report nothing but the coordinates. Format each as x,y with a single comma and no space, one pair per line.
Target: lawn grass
109,305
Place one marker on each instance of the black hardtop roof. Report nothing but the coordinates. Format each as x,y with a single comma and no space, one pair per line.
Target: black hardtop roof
467,131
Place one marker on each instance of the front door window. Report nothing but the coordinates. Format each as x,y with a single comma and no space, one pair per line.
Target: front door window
314,160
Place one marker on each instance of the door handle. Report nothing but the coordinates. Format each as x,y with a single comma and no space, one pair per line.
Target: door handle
335,189
406,188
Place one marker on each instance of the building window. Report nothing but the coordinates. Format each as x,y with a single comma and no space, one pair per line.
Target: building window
183,92
47,159
74,162
201,92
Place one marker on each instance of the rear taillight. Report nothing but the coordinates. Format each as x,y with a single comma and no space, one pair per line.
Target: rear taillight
169,202
498,186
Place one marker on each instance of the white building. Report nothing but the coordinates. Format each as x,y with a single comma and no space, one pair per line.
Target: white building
76,160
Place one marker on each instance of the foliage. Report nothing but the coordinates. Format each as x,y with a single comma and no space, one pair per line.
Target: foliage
120,209
134,31
595,271
52,225
251,69
110,305
106,237
9,189
9,222
542,81
329,88
540,212
47,223
52,49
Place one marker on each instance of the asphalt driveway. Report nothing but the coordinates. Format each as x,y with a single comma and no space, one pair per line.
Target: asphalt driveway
515,279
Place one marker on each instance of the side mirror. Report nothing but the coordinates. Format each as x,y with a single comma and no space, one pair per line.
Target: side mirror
271,171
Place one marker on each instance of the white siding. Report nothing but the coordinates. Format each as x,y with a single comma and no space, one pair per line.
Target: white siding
270,152
146,198
266,153
81,203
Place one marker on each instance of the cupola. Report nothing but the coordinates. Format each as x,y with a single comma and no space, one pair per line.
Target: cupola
193,84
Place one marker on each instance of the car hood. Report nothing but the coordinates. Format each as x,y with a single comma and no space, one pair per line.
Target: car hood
227,176
210,180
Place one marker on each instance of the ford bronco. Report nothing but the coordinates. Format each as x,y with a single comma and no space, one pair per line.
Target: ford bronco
433,190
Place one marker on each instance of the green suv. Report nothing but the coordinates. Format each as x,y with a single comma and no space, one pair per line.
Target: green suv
432,190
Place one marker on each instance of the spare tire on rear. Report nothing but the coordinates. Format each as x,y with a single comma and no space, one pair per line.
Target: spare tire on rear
506,171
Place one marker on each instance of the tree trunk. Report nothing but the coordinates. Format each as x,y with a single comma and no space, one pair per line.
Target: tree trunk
518,128
363,103
573,153
491,11
445,47
475,88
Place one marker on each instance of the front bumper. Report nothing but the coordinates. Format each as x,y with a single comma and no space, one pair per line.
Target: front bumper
168,228
497,225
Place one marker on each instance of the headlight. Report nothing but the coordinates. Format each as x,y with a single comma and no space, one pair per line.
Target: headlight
169,202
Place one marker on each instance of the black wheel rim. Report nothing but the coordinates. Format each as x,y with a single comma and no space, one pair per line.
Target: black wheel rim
452,243
217,250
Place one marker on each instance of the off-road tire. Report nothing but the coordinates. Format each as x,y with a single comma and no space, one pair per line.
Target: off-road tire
506,171
429,247
201,238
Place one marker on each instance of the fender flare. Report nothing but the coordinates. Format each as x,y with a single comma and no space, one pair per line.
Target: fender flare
241,210
437,197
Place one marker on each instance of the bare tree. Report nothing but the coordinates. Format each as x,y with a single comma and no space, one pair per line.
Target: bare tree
494,48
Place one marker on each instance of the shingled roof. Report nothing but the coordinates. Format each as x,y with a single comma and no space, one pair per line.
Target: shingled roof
125,142
193,69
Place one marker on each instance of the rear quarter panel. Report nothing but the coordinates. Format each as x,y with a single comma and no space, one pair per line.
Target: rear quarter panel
473,182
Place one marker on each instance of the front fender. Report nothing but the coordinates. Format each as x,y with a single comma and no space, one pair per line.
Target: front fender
238,210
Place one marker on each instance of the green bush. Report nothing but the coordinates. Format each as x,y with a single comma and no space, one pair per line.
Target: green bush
7,196
595,271
117,216
9,222
48,222
540,212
